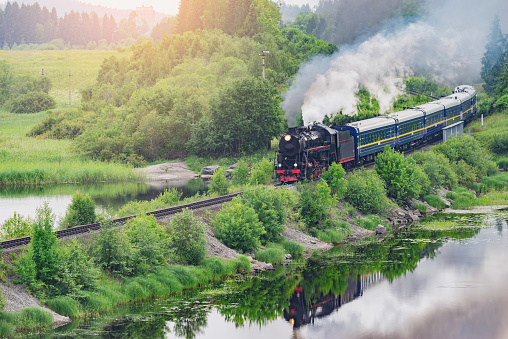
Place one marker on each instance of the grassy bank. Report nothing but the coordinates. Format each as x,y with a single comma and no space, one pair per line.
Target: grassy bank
84,66
27,160
165,281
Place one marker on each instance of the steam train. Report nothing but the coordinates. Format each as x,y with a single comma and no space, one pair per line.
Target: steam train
307,151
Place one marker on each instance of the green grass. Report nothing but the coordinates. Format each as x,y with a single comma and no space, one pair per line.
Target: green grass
274,254
66,306
28,319
167,280
434,201
84,66
421,207
293,248
369,222
25,160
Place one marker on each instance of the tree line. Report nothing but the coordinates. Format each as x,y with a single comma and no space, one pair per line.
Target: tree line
31,24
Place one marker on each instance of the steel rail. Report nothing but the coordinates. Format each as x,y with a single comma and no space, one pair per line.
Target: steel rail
82,229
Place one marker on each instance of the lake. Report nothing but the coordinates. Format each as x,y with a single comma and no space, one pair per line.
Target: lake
421,283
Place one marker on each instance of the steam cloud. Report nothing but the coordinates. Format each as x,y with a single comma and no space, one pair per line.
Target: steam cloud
447,45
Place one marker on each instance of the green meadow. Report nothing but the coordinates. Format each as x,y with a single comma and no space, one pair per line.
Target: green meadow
84,66
25,160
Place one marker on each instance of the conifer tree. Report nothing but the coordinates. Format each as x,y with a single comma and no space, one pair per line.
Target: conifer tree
494,57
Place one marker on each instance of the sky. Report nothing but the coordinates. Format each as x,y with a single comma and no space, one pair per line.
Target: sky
169,6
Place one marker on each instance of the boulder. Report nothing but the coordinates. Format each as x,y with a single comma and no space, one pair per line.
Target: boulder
234,166
380,229
229,173
209,170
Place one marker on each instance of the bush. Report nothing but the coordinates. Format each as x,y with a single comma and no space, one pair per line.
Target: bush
76,272
502,163
466,174
261,173
499,143
404,179
81,211
366,191
218,183
241,174
316,203
43,245
468,150
437,167
113,252
150,241
334,177
31,102
238,226
434,201
269,204
189,239
16,227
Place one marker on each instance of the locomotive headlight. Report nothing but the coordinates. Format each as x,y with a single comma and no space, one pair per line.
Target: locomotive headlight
287,137
280,165
296,165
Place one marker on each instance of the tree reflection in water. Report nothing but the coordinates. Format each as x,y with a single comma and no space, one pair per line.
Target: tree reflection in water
299,293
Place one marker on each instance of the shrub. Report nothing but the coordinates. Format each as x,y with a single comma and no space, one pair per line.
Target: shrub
470,151
466,174
218,183
31,102
43,244
238,227
366,191
189,239
113,252
437,167
241,174
76,272
315,204
334,177
16,227
497,182
269,204
499,143
434,201
404,179
261,173
502,163
273,255
242,264
81,211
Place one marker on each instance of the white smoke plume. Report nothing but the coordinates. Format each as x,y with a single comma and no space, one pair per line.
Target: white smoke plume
446,45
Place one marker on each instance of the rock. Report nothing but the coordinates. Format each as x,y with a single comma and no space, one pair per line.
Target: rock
210,169
288,257
380,229
234,166
229,173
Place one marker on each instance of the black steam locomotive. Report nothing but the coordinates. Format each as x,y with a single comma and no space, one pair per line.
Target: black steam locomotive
305,152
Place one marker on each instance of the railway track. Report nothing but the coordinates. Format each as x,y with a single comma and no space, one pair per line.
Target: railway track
83,229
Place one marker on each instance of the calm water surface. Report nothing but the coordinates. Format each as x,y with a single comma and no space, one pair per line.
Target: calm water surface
112,196
418,284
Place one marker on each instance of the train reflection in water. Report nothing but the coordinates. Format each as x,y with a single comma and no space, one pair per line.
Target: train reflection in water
302,313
